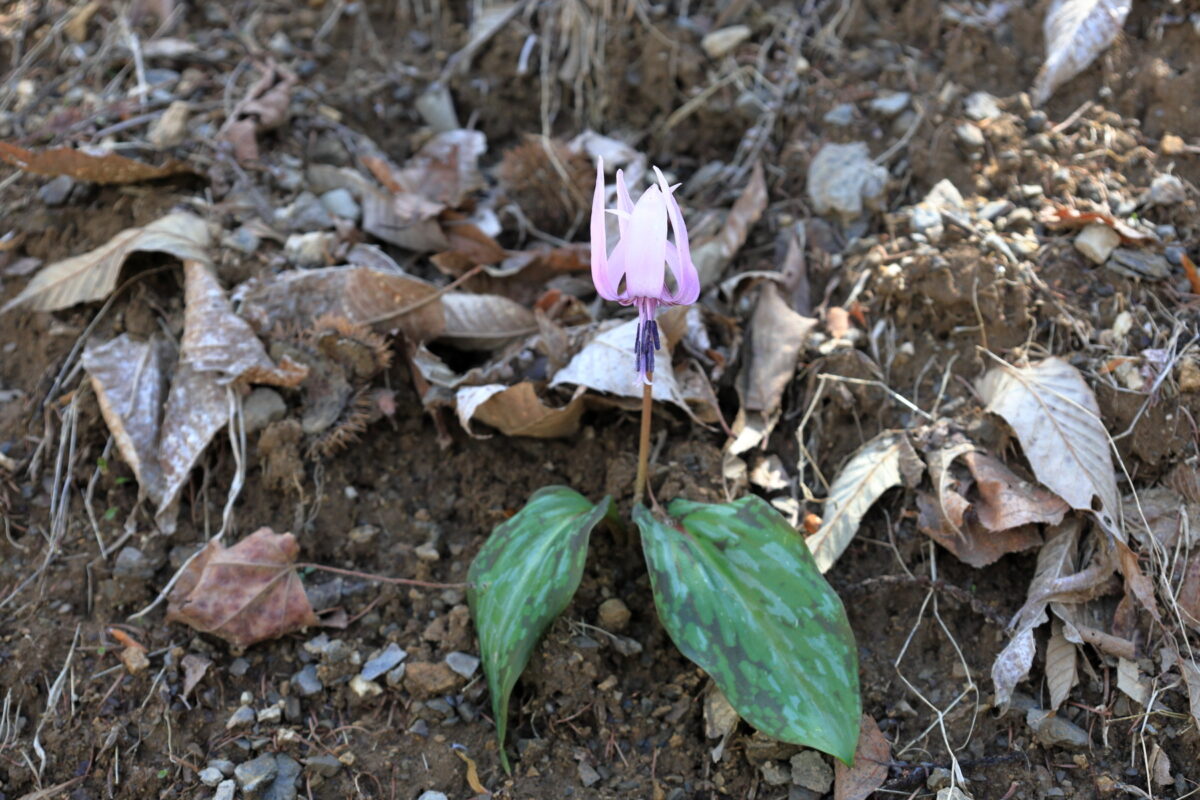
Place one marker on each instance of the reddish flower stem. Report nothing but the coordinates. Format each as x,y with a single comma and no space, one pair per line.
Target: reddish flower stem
639,483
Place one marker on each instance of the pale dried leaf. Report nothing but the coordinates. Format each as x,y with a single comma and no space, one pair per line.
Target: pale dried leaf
844,179
1057,420
1076,31
1191,679
130,381
446,168
711,256
1160,766
951,504
363,295
607,364
108,168
1131,682
720,718
870,769
881,464
517,411
1006,501
92,276
776,336
1188,599
194,668
484,321
1061,675
197,407
246,593
1012,665
1167,514
217,340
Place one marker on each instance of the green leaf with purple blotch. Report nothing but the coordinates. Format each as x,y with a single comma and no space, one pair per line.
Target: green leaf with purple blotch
522,579
739,594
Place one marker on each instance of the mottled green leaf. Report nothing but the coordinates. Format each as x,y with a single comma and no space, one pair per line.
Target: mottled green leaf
522,579
737,590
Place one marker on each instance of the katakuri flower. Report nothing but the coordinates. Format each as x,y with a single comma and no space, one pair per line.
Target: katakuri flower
641,257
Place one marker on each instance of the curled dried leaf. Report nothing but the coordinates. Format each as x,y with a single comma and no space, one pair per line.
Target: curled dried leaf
84,166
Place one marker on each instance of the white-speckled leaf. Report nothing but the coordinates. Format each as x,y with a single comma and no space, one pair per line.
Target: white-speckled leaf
522,579
1077,31
739,594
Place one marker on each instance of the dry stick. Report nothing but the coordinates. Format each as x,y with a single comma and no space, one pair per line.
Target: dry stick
381,578
639,483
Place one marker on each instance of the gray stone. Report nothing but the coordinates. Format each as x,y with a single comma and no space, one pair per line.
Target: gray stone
55,192
891,104
396,677
210,777
723,41
927,221
132,563
384,662
364,688
325,765
994,209
981,105
304,214
1166,190
432,796
588,775
239,667
243,240
969,136
170,129
840,115
436,107
1052,730
1036,122
810,771
1141,263
225,790
341,203
774,774
224,765
270,715
613,615
262,407
241,718
1097,242
464,664
161,78
257,773
284,786
306,682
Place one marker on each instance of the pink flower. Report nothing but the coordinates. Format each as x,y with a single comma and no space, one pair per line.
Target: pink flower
641,258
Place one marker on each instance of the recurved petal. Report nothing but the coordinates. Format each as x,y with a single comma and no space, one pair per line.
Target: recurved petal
646,245
624,202
605,287
687,281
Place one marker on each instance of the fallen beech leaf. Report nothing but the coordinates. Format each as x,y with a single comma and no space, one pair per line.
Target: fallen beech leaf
881,464
360,294
197,407
1189,593
406,220
776,335
85,166
446,168
1056,418
243,594
93,275
870,770
1061,675
517,411
484,321
1005,501
217,340
711,256
130,381
1076,32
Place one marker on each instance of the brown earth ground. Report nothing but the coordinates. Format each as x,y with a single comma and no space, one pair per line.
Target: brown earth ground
120,735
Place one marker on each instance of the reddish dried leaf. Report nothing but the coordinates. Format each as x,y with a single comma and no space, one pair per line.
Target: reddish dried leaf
104,168
974,545
1059,216
246,593
1189,269
870,769
1005,501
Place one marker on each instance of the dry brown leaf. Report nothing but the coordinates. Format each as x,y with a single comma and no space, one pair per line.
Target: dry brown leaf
711,256
1057,420
130,381
360,294
93,275
406,220
951,503
1061,675
1136,580
484,321
1005,501
217,340
246,593
264,106
446,168
517,411
776,336
970,542
197,407
1188,598
870,769
84,166
1167,514
1191,679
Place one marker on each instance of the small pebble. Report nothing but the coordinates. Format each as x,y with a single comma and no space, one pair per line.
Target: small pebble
1097,242
395,677
341,203
840,115
385,661
431,795
969,136
262,407
1036,122
364,688
55,192
981,105
325,765
424,679
304,214
241,718
132,563
810,771
270,715
464,664
243,239
224,765
210,776
891,104
723,41
170,129
306,682
225,790
255,774
239,667
284,785
427,552
309,250
613,615
588,775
